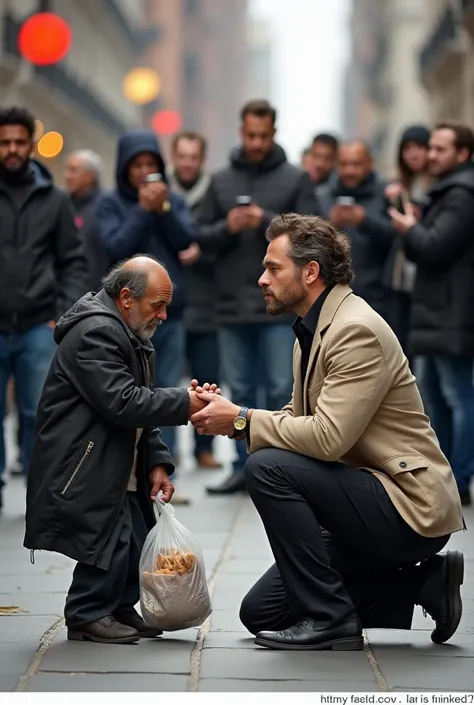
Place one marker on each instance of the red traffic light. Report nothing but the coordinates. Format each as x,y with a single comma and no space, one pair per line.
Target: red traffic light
44,39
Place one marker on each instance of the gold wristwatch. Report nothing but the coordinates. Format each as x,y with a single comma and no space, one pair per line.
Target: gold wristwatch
241,421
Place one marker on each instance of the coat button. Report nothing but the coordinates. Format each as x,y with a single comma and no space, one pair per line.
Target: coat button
402,465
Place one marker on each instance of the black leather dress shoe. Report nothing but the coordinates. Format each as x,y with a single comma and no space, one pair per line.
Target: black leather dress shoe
104,631
234,484
306,635
133,619
440,593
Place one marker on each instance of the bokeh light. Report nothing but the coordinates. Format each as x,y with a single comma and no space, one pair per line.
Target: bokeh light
166,122
39,130
44,39
50,145
141,85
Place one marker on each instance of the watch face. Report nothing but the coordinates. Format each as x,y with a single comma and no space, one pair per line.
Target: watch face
240,423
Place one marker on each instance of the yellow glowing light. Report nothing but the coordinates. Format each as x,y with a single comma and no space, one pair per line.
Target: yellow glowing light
50,145
141,86
39,130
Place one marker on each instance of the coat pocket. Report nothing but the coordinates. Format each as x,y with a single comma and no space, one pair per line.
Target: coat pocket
77,467
408,462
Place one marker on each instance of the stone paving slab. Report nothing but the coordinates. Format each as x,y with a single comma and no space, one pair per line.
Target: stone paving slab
224,658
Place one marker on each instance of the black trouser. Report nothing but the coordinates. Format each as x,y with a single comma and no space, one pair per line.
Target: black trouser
95,593
363,560
203,358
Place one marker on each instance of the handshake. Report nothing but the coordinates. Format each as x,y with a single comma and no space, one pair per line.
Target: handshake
209,412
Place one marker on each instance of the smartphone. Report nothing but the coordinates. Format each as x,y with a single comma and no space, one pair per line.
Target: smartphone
153,178
243,200
400,203
345,201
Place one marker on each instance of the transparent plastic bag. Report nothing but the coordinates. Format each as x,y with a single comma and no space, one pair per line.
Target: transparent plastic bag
173,586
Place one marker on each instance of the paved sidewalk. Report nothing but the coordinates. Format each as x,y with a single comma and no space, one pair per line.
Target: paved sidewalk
35,656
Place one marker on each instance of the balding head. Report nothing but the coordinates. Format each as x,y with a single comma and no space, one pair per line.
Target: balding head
83,172
142,290
355,163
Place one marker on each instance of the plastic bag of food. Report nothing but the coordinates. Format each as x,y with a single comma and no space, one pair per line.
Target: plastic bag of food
173,586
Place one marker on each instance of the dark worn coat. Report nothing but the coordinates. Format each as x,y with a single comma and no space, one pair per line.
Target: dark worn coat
98,392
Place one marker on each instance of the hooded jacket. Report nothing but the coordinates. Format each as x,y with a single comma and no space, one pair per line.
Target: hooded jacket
99,391
127,229
442,246
42,265
371,241
277,187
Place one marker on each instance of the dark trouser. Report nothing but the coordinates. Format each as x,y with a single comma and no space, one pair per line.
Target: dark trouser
203,359
446,385
364,560
169,342
247,350
95,593
26,357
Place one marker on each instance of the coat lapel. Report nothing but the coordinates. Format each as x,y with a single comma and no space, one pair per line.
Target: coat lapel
328,311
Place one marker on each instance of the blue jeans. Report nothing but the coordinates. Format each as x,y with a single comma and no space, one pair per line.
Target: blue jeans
26,357
446,385
203,358
248,349
169,342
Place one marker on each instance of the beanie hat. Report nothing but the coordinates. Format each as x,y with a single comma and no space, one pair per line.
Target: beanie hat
415,133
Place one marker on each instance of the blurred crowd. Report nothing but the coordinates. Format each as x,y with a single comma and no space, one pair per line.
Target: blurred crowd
411,240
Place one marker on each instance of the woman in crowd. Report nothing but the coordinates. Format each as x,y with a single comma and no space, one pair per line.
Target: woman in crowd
411,185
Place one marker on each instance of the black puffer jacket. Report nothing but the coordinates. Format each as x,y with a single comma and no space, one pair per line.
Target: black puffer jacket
277,187
98,392
371,241
42,265
442,245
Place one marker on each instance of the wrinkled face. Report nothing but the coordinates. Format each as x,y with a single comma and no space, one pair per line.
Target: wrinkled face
188,160
143,316
324,160
77,177
354,166
442,154
257,135
414,156
16,145
282,281
140,167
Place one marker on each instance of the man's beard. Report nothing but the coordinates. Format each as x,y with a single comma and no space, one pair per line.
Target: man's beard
292,299
142,332
17,174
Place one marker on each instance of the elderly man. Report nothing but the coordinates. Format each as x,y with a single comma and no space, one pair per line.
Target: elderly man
98,458
82,178
352,452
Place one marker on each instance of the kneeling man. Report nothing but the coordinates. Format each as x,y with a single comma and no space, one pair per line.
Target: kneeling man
356,497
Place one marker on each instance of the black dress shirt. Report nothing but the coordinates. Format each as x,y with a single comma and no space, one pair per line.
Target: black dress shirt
305,328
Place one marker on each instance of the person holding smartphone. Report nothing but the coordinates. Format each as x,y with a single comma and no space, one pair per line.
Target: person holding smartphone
255,350
142,215
355,202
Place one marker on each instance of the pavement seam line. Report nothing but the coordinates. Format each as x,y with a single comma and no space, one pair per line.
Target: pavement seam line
372,659
45,642
196,653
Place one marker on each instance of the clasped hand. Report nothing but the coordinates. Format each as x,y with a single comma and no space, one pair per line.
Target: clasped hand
210,412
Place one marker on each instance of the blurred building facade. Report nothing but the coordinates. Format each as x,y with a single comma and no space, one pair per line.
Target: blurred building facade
446,60
81,97
383,91
200,54
259,60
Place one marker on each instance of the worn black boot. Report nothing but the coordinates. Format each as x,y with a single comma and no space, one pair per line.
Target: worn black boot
106,630
440,594
307,635
133,619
